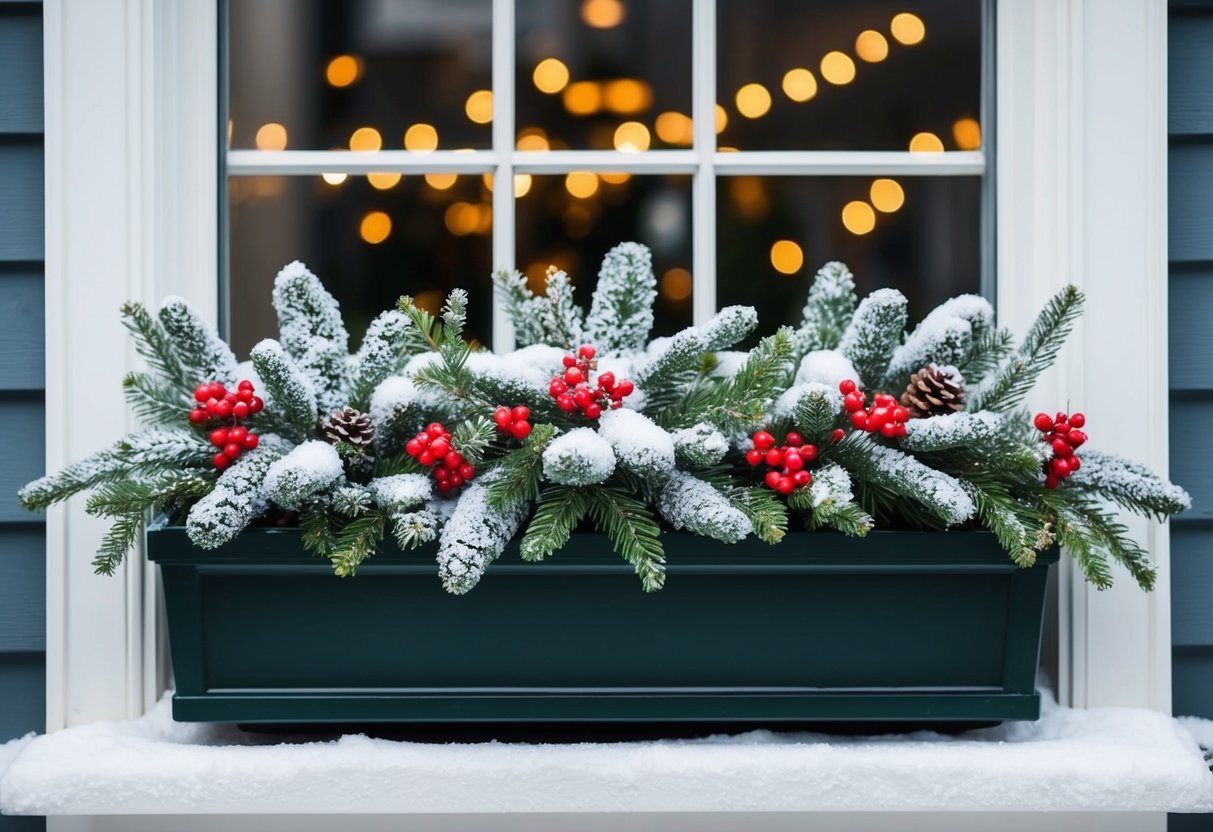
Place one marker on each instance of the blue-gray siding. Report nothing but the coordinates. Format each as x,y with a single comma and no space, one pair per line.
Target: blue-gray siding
1190,237
22,410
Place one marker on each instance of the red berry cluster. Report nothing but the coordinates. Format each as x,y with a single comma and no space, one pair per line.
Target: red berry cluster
886,415
432,447
573,391
1062,433
793,455
513,420
216,403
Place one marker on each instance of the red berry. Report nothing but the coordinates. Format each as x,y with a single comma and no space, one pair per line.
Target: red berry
586,351
1062,448
413,447
1075,464
502,417
774,457
446,436
569,361
202,392
794,439
901,429
1061,428
593,410
853,401
573,375
426,457
1076,437
582,397
466,471
221,460
846,386
1060,467
444,488
763,440
223,409
439,447
878,417
900,414
837,435
255,404
441,474
453,459
521,413
197,416
240,410
793,461
1051,481
809,452
435,429
624,388
753,456
888,430
884,400
455,480
565,402
1077,420
859,419
1043,422
616,404
772,479
606,379
237,434
218,391
802,478
251,441
557,387
232,450
219,437
785,486
1060,417
244,384
520,429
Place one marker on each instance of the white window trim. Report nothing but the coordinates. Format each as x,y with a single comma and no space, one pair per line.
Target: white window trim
132,214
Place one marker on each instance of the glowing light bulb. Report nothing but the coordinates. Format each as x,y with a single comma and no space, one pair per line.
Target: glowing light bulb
421,138
366,138
271,136
334,179
676,284
343,70
375,227
871,46
799,84
753,101
967,133
838,68
632,137
674,128
602,14
582,98
858,217
887,195
550,76
479,106
722,119
787,257
384,181
908,29
926,143
441,181
581,184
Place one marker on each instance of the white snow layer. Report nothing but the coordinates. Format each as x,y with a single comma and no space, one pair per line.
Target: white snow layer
640,445
579,457
1103,759
826,367
392,397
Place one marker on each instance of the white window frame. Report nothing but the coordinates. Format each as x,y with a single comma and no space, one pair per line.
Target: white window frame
132,213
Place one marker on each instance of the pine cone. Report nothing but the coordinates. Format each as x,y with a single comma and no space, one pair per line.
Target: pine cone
350,426
932,392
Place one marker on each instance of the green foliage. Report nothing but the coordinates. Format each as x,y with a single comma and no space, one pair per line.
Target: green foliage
828,311
621,312
829,503
765,511
1129,485
552,318
633,531
991,348
518,474
883,470
1001,514
306,311
155,401
559,511
200,353
356,542
816,413
153,345
1016,376
874,334
292,394
128,501
384,348
664,379
727,327
473,438
316,532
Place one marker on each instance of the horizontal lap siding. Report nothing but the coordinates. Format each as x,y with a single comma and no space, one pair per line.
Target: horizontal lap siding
22,351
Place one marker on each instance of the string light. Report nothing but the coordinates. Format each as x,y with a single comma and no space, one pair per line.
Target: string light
838,68
384,181
479,106
616,178
271,136
858,217
441,181
632,137
967,133
676,284
462,218
602,14
627,96
582,98
375,227
753,101
799,84
366,138
787,257
722,119
674,128
421,138
550,76
871,46
343,70
533,138
926,143
581,184
887,195
522,185
908,29
334,179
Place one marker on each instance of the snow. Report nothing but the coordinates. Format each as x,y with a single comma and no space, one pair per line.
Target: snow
475,535
308,469
306,311
728,362
621,311
827,367
392,397
943,493
579,457
400,492
640,445
831,483
950,430
692,504
699,445
785,406
1103,759
728,326
1122,479
238,497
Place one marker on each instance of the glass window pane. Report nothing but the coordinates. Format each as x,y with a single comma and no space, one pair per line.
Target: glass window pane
919,235
824,75
571,221
600,73
369,242
307,74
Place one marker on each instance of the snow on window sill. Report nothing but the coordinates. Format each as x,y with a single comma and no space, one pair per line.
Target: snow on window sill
1105,759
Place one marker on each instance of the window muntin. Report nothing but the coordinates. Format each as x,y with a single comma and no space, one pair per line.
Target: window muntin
931,246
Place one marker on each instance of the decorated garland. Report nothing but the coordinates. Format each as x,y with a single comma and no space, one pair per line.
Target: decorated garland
844,422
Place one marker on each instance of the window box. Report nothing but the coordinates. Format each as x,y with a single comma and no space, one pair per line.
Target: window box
900,627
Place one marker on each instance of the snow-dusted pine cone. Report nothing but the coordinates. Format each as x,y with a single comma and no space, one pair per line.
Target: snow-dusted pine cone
933,391
350,426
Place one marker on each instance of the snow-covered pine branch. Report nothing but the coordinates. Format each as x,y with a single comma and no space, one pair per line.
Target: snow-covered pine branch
475,535
815,411
832,500
641,447
306,311
827,367
199,349
96,468
401,492
688,502
307,470
1129,485
621,313
951,430
579,457
664,376
699,446
727,327
291,391
946,340
389,407
239,496
943,495
828,311
380,356
874,333
326,366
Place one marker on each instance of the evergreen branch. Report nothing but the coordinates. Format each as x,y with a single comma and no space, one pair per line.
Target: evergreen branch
1017,375
903,475
633,531
621,311
1084,546
664,379
1000,513
1129,485
874,334
739,402
454,314
291,392
472,438
153,345
1114,539
517,475
421,337
765,511
816,412
356,542
560,509
317,534
118,540
153,400
71,480
828,311
201,353
127,502
991,348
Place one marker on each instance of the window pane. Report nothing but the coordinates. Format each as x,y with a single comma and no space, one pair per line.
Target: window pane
824,75
598,73
307,74
368,246
774,233
572,221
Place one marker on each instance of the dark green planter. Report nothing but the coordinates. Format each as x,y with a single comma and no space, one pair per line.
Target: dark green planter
898,627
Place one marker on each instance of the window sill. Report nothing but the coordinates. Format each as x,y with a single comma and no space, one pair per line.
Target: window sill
1111,759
